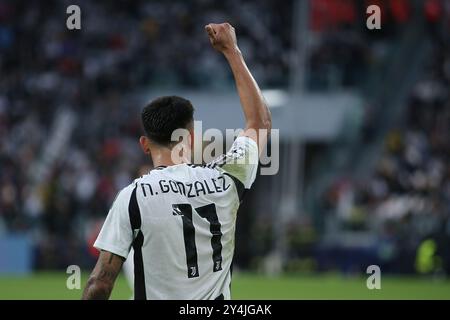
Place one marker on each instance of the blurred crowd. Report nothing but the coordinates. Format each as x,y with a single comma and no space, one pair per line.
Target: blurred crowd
343,50
406,201
93,75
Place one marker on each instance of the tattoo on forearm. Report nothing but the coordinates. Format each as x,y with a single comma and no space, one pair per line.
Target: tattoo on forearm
96,291
106,276
101,281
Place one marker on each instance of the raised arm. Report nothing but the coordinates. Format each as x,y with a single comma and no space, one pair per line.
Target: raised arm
257,115
102,278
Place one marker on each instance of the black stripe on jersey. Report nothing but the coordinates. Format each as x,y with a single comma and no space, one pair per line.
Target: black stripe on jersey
134,212
239,186
189,239
135,220
209,213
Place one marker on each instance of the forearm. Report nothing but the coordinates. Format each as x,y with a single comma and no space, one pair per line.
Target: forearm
97,290
257,114
102,278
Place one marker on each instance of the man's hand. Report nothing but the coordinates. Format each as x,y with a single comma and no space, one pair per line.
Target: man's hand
222,37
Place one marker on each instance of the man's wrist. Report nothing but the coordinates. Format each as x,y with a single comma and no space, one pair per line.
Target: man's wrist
232,52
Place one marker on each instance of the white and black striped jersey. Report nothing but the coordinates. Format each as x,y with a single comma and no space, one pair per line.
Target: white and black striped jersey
180,221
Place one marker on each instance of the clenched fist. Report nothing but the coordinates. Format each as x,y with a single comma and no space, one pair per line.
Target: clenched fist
222,36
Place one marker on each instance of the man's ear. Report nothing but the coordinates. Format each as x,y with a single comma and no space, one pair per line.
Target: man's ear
145,144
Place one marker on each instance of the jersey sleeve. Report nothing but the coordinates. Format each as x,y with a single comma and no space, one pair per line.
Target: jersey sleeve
116,235
241,161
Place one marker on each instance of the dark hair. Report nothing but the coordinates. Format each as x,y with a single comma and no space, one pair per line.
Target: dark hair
164,115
